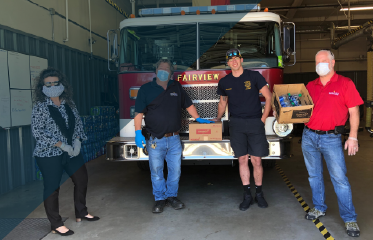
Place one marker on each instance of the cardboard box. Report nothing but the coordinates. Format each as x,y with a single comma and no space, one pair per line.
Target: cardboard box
299,114
205,132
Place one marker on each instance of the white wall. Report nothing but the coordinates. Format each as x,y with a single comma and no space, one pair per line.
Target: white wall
307,45
27,17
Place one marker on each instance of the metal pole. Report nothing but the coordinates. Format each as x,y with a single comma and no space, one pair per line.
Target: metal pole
349,16
197,47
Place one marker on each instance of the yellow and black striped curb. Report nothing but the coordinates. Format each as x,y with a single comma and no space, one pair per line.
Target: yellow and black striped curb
304,205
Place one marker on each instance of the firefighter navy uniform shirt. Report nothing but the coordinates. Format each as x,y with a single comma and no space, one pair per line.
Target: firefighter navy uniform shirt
332,102
162,108
243,93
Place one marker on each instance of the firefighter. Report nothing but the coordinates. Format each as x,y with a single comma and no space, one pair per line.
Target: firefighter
161,101
240,89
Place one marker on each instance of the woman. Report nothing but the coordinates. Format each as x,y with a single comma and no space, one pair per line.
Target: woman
58,130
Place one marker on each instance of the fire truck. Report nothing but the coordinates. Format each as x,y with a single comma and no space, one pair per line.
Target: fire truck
195,40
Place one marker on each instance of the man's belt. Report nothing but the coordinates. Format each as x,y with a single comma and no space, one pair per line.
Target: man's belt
321,132
171,134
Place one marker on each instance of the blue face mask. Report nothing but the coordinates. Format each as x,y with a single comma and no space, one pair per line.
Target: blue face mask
162,75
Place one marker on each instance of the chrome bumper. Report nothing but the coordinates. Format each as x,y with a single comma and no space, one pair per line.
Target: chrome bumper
125,149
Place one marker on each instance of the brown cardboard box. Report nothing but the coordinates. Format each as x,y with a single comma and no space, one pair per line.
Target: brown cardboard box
300,114
205,132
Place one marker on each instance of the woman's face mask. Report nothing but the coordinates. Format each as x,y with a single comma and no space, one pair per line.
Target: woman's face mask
53,91
162,75
322,69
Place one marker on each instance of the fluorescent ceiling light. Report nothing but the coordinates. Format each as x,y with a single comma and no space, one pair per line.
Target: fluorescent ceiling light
357,8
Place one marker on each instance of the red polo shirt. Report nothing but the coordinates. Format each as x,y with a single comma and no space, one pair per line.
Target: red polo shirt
332,102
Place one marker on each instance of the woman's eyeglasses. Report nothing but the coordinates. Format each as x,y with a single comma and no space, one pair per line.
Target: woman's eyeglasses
49,84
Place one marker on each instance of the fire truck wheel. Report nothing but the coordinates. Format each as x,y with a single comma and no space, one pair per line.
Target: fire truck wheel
143,165
268,163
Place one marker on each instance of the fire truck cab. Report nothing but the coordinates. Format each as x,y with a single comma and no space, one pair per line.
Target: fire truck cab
196,43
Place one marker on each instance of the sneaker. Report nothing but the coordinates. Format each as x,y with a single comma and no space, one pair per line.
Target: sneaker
158,206
314,214
247,201
259,198
352,229
175,203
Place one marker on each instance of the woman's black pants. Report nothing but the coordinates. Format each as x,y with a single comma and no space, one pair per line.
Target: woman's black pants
52,169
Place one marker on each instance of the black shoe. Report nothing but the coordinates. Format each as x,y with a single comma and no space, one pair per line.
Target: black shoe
88,219
68,233
159,205
259,198
175,203
247,201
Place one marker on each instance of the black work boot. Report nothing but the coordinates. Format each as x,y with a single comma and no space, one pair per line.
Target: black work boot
247,201
158,206
259,198
175,203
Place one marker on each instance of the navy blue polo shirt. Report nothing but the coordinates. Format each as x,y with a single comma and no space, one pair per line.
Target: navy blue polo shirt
243,93
162,108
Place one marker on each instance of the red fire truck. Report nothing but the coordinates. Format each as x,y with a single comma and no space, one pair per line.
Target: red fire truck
196,39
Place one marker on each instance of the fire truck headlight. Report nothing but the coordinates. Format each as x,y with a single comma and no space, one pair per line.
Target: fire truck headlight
282,130
133,92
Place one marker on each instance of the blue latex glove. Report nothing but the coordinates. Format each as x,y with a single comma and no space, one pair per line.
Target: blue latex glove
139,139
200,120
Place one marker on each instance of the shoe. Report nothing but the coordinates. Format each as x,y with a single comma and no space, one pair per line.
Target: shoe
259,198
247,201
68,233
314,214
159,205
88,219
175,203
352,229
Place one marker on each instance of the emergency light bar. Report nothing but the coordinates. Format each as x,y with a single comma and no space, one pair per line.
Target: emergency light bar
148,12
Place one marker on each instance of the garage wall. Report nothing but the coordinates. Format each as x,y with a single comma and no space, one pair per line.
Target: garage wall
32,16
349,57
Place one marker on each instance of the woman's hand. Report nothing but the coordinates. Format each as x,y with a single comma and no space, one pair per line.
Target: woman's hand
77,145
58,144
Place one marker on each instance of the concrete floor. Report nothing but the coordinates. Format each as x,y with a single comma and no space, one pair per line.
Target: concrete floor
121,195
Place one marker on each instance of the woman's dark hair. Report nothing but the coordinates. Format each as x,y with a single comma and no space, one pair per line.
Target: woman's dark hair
39,96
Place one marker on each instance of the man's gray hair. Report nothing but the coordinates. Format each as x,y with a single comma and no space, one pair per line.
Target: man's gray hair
165,61
330,53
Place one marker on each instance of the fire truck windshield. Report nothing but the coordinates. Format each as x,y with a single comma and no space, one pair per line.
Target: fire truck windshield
141,47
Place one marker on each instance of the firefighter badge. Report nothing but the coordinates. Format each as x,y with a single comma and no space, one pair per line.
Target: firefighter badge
247,85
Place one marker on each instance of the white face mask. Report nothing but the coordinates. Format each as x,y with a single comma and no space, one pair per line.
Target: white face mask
322,69
53,91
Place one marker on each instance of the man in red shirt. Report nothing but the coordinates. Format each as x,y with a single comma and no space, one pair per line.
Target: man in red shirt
336,99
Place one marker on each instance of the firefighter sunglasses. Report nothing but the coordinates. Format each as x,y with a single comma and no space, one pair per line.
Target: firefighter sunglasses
233,53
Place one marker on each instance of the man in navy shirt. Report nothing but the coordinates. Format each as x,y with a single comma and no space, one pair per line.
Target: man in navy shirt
160,101
240,89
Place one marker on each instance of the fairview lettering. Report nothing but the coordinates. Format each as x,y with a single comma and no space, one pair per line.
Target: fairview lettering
198,77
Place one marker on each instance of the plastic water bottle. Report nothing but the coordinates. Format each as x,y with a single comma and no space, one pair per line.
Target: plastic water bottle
294,99
284,101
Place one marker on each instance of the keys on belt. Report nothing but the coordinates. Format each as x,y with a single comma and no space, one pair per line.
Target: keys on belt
321,132
171,134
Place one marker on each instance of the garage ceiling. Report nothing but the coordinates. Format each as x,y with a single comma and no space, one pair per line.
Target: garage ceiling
307,14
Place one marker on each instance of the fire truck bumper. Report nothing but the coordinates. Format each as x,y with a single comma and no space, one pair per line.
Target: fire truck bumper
125,149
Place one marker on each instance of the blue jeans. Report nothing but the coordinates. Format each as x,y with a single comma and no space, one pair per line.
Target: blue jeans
314,146
169,149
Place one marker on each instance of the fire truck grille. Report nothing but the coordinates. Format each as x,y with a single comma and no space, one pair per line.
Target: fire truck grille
205,100
202,92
